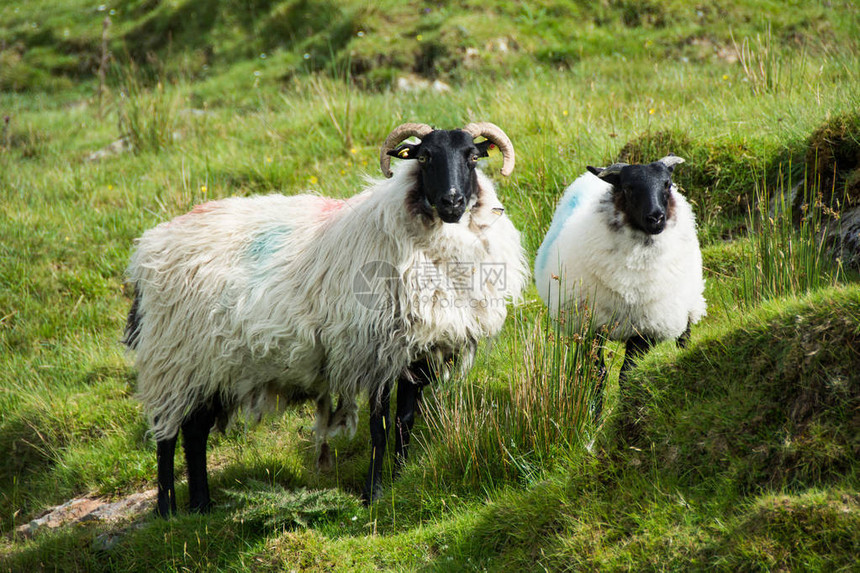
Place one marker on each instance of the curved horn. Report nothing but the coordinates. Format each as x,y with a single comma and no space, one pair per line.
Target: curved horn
603,172
495,134
398,135
671,161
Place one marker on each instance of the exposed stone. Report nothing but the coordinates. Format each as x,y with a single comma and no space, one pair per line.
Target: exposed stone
844,237
118,147
85,509
413,83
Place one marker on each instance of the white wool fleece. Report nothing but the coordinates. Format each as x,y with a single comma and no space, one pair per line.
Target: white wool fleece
273,300
633,282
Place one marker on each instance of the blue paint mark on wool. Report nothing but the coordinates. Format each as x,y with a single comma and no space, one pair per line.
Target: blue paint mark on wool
266,242
568,204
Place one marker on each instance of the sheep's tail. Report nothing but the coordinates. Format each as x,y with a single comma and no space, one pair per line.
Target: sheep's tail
132,325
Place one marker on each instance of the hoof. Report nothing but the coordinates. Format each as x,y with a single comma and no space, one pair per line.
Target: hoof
202,508
161,514
165,508
371,495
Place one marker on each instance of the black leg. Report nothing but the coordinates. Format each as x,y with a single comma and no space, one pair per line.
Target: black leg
684,339
323,427
166,501
195,432
634,349
597,396
408,396
380,420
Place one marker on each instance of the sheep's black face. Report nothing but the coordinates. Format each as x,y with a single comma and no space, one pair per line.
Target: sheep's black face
642,193
447,179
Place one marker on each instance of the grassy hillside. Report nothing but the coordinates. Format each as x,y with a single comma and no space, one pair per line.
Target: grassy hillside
738,453
51,45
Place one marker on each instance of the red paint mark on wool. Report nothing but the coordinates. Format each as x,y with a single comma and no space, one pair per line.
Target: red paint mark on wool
330,205
197,210
203,208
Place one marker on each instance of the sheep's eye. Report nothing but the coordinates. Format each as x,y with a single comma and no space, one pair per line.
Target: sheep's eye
422,159
473,158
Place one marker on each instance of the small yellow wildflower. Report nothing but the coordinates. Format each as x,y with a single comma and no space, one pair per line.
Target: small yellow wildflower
651,111
110,187
268,160
313,180
353,150
564,113
203,188
419,37
725,76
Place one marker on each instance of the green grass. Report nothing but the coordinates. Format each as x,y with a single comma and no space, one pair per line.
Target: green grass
743,449
784,258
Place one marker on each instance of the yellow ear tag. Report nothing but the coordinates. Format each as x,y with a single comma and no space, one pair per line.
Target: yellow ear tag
492,150
403,153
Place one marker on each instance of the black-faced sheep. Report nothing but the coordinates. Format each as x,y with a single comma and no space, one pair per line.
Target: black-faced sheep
263,302
623,245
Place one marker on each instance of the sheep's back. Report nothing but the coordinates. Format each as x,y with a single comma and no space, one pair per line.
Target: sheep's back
281,303
573,212
200,279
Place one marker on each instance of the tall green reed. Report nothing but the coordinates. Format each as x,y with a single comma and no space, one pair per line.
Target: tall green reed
148,117
762,62
786,253
541,416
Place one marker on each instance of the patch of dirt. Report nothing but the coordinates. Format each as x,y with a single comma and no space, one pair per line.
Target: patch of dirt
85,509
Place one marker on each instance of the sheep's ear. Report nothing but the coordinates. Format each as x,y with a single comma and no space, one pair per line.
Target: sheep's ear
405,151
670,161
484,148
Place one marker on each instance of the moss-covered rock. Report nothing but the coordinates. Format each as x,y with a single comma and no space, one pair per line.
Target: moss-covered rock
719,175
833,161
793,532
773,402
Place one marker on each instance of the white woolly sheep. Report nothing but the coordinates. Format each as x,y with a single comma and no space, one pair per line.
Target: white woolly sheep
623,245
262,302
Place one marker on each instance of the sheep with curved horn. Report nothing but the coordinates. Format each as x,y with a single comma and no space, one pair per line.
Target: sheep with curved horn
264,302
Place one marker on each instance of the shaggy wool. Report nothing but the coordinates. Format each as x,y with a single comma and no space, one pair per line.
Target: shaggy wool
629,281
271,300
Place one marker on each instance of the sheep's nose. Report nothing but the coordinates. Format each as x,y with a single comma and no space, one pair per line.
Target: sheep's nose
453,201
656,219
655,223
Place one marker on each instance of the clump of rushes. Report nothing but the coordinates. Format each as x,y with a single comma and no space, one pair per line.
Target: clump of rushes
762,62
541,417
147,117
783,259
